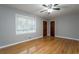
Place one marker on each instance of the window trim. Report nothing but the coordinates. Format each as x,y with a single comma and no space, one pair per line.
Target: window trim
30,17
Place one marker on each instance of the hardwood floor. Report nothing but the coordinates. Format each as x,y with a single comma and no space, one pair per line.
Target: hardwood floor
47,45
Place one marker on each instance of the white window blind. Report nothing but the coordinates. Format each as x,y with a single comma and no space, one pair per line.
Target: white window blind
25,24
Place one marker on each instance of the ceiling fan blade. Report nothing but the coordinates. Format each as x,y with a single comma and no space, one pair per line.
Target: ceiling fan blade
44,5
43,11
56,8
55,4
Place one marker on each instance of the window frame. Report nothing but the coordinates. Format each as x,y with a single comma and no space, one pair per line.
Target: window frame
24,16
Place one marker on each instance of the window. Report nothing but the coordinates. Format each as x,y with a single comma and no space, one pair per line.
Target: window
25,24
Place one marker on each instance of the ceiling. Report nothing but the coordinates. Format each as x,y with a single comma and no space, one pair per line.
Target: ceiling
36,8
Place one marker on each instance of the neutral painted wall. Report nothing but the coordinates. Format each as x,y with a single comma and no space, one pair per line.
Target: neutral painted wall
7,26
68,26
48,27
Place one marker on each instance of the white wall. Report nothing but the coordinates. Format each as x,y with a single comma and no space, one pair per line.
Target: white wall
48,29
68,26
7,27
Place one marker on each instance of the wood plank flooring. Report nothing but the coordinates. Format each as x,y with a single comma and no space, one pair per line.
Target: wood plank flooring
46,45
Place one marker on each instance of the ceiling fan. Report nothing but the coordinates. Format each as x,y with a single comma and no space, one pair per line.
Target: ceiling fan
50,8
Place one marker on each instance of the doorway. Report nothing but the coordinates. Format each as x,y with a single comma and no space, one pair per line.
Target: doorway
52,28
44,28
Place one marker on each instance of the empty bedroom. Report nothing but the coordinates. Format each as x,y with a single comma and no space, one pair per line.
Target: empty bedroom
39,28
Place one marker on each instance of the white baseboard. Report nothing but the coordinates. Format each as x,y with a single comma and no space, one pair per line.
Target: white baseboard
67,38
20,42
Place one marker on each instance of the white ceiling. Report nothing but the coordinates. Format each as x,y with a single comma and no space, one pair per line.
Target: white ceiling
36,8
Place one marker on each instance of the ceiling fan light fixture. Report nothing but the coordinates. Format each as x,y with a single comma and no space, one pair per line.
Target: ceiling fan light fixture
50,10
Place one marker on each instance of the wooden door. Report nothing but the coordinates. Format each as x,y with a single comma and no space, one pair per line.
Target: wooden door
44,28
52,28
